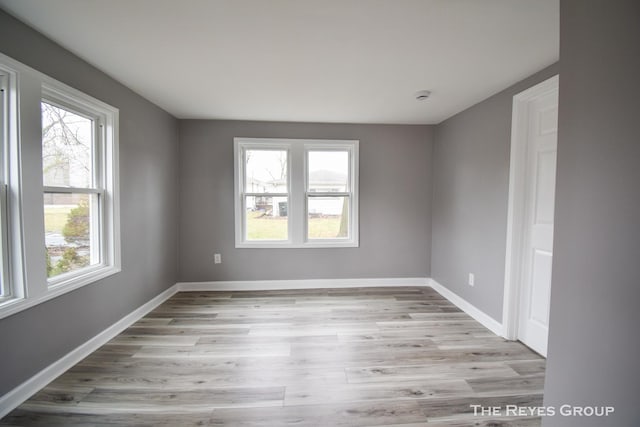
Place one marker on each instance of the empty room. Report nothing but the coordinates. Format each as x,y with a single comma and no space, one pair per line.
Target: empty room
319,213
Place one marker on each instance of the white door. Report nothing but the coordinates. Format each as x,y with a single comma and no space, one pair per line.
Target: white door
537,238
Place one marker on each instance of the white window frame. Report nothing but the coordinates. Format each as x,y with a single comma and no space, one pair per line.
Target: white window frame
25,189
11,226
6,79
101,185
297,166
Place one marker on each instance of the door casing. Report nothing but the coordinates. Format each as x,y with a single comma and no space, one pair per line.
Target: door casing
516,206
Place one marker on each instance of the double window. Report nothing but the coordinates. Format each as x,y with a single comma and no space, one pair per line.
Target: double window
58,200
296,193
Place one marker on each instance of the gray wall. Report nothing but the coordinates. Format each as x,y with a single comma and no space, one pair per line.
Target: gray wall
470,193
34,338
395,194
593,342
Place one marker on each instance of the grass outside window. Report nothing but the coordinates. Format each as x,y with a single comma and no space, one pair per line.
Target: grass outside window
264,227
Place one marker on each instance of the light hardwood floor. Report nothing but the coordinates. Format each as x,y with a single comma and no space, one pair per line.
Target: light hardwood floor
332,357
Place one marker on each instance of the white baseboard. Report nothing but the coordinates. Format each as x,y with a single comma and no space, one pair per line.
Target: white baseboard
25,390
263,285
486,320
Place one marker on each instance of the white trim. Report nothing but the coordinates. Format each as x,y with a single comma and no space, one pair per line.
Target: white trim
515,212
27,267
265,285
284,244
352,147
14,242
486,320
18,395
6,80
72,190
297,152
105,149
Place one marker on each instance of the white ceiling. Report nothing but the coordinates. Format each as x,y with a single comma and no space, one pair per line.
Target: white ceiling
358,61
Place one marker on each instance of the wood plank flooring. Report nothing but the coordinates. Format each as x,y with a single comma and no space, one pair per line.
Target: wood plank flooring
332,357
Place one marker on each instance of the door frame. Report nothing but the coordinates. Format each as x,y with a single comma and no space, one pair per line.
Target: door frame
517,202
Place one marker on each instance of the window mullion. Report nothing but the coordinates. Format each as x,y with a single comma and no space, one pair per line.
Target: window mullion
297,190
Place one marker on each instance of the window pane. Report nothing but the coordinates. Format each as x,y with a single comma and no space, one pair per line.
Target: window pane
328,217
70,222
265,171
328,171
67,142
267,218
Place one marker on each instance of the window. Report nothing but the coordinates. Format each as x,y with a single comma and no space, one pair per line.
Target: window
11,274
5,288
59,217
77,177
266,194
296,193
328,195
73,193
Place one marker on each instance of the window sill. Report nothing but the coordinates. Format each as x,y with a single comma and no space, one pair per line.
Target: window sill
12,306
314,245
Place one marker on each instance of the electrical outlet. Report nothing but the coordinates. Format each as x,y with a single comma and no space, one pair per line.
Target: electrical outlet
472,279
217,259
